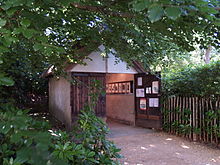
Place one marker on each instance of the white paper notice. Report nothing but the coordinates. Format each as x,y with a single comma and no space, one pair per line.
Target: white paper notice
140,92
148,90
139,81
156,102
155,87
153,102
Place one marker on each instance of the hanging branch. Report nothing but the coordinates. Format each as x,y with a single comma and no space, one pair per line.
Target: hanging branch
101,10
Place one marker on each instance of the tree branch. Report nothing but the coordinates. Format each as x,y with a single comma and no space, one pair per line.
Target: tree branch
111,13
101,10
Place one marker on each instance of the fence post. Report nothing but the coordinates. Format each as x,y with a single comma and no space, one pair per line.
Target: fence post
198,124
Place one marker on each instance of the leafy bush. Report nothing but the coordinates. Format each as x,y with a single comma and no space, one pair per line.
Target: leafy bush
91,133
23,140
200,80
27,141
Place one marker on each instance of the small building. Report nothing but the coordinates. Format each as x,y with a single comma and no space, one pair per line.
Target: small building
132,94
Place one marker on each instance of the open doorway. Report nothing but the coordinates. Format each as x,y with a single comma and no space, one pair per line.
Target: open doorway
118,104
120,100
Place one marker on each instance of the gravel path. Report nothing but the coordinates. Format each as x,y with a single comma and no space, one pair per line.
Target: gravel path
147,147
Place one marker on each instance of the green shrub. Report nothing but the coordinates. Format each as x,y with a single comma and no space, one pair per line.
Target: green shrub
23,140
91,134
27,141
203,80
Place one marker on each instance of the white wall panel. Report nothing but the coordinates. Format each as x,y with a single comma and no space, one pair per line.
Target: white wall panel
119,67
97,63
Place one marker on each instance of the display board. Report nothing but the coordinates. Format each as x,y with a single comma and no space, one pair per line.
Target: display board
147,100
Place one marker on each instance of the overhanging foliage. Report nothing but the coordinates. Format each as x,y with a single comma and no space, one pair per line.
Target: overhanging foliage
138,29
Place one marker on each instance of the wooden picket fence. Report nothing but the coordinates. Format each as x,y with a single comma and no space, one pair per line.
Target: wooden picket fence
196,118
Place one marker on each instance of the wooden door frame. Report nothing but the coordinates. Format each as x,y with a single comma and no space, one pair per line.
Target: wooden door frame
75,112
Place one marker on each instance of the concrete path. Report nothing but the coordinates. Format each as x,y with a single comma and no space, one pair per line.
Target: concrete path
142,146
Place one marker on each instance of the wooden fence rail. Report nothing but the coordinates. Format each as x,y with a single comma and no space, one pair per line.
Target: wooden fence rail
195,118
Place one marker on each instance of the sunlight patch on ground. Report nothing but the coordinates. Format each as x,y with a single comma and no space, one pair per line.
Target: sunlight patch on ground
184,146
151,145
213,160
169,139
177,153
143,148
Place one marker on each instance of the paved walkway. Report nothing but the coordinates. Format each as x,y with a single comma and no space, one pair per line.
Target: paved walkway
147,147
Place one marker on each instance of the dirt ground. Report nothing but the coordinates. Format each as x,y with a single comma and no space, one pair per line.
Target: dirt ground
142,146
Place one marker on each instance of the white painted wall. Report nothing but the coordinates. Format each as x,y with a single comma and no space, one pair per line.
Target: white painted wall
95,63
98,63
121,67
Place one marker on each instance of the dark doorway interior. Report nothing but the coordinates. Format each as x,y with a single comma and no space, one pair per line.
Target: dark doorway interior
81,90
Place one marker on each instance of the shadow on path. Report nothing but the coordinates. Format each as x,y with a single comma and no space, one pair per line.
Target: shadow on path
120,130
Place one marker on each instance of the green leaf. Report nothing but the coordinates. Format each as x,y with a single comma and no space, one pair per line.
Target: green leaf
25,22
28,33
2,22
91,154
5,128
11,11
7,40
141,5
5,30
16,137
6,81
23,154
18,2
155,13
17,30
217,23
56,161
173,12
61,155
6,6
38,46
42,137
3,49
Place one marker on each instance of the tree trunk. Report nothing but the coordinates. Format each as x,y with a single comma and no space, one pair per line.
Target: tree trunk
207,54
